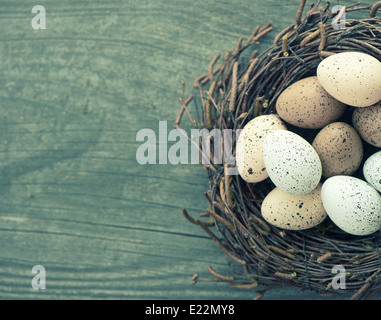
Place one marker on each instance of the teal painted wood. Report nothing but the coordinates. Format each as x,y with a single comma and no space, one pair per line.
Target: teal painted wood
72,98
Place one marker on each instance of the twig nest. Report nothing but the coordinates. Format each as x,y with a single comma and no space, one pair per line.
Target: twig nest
303,202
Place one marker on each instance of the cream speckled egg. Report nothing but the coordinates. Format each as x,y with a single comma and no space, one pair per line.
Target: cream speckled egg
340,149
306,104
249,157
367,121
372,170
352,204
353,78
292,212
291,162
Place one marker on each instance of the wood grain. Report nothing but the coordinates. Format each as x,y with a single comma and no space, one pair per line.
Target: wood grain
72,98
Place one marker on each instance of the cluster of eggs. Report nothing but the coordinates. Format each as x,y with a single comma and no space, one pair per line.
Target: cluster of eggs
317,179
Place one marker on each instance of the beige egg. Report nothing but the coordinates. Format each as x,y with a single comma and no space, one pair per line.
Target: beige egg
367,122
293,212
353,78
306,104
340,149
249,156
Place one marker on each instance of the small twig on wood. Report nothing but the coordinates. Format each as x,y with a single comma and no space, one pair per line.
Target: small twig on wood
285,45
322,36
184,105
309,38
233,95
366,285
300,12
246,77
262,33
283,275
228,196
220,276
374,9
220,219
247,286
208,112
283,33
211,65
324,257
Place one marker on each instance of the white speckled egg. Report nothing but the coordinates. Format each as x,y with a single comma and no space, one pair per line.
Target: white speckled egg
353,78
291,162
372,170
352,204
249,157
292,212
305,104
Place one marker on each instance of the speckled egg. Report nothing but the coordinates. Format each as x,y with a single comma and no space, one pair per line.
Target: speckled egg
353,78
292,212
249,159
352,204
291,162
340,149
367,121
306,104
372,170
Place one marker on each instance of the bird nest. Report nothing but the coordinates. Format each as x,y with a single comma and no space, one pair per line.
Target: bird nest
243,86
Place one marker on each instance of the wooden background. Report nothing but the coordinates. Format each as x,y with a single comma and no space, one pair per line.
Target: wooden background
72,98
